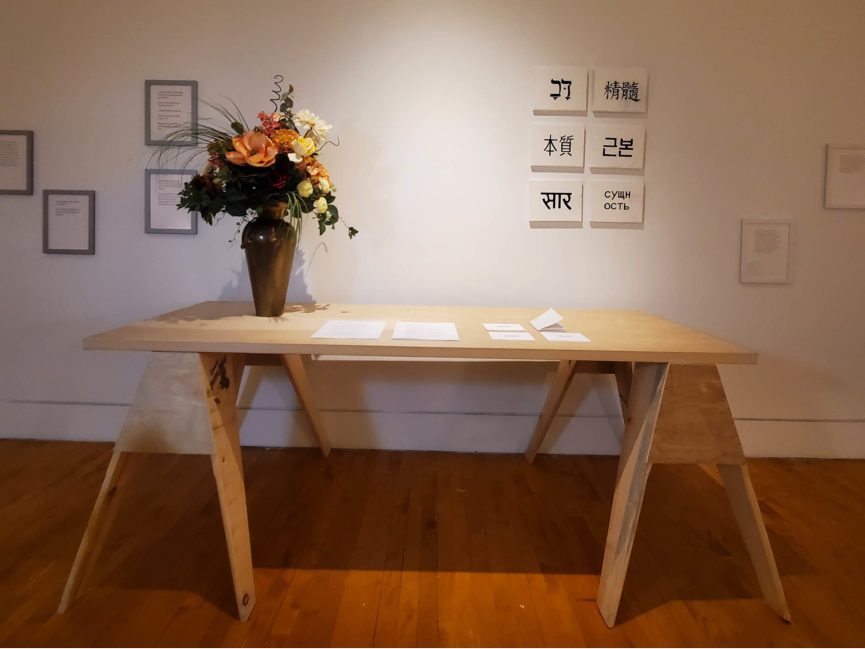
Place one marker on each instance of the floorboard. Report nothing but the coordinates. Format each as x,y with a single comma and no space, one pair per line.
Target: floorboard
371,548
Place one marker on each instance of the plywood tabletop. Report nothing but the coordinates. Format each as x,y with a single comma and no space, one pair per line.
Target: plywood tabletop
615,335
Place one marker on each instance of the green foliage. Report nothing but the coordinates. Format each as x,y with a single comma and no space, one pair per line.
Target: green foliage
241,190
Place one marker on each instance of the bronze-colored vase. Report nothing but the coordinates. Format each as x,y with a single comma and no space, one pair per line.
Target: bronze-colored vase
269,242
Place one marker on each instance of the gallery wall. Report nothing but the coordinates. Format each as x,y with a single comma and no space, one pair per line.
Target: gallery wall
431,102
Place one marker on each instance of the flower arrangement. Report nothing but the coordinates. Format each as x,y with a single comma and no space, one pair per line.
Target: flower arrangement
272,163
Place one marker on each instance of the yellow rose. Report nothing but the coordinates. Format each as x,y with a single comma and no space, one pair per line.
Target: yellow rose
304,188
324,185
304,146
320,205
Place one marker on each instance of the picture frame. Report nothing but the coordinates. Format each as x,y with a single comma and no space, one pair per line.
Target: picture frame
168,106
764,251
845,176
158,217
68,222
16,175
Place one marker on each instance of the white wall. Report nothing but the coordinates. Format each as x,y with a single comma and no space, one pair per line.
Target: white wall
431,105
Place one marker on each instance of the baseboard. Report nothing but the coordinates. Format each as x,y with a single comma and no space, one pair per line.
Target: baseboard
462,432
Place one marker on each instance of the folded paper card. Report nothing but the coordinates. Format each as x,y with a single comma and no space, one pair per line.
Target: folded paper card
564,337
351,329
425,331
511,335
503,326
550,320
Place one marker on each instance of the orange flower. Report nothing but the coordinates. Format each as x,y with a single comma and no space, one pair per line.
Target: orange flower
251,148
313,169
284,138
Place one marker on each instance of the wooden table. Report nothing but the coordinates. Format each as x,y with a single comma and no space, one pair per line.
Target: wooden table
672,399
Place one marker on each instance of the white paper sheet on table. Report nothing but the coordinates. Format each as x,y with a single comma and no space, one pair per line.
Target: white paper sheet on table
549,320
351,329
564,336
511,335
503,326
425,331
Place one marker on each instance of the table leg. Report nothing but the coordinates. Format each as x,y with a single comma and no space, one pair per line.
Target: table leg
221,383
737,482
294,364
643,406
97,529
562,380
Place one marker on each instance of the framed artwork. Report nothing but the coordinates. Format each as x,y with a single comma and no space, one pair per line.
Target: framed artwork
764,256
615,201
557,146
845,176
161,214
170,106
556,201
616,147
560,90
620,90
16,162
69,222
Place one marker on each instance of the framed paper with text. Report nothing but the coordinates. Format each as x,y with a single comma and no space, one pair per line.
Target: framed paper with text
69,222
764,256
845,176
16,162
169,107
161,214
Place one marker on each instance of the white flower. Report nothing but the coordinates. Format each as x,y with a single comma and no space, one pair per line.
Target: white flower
308,123
320,205
206,169
304,188
324,185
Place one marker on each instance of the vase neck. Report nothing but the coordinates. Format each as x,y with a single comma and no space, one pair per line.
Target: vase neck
273,210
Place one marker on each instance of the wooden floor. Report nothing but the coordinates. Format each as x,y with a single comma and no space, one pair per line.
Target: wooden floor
383,548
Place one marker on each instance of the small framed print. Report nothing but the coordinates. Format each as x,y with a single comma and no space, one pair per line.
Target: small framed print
764,256
16,162
620,90
161,214
560,90
557,147
556,202
615,201
616,147
68,222
169,107
845,176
